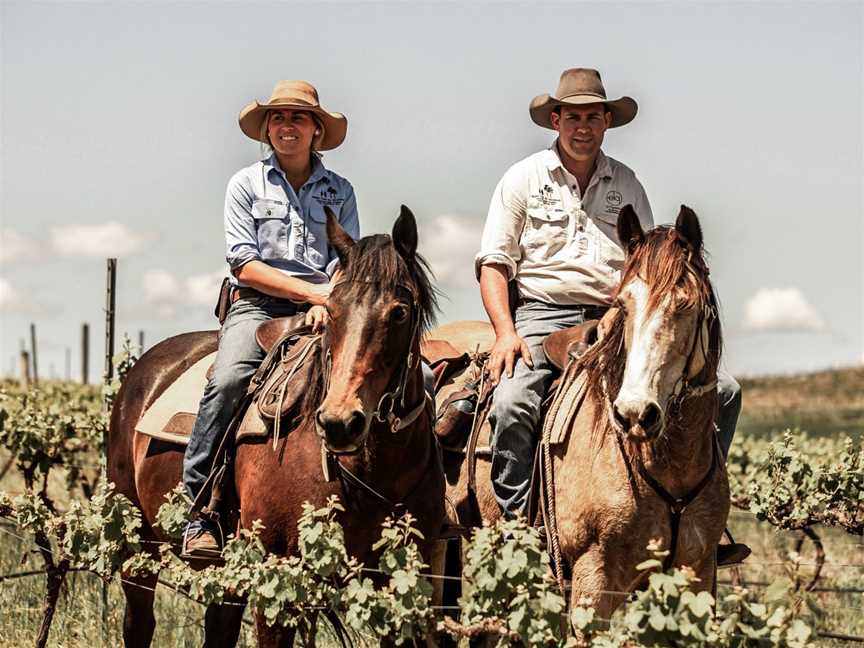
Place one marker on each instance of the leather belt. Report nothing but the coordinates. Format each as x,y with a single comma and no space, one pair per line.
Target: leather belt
244,292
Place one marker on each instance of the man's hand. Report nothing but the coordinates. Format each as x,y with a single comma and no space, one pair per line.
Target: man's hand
317,317
504,355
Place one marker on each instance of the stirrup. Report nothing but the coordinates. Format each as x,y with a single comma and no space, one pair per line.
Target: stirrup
204,553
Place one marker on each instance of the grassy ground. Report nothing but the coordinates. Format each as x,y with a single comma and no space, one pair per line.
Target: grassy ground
823,403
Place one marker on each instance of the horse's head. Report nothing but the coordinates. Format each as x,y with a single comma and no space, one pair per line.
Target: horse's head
378,312
666,323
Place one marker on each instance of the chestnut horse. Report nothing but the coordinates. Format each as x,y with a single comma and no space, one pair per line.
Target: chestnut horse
640,459
367,407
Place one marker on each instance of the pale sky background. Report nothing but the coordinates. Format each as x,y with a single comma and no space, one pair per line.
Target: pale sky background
119,132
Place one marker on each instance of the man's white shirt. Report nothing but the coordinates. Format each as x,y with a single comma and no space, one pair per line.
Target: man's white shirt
559,244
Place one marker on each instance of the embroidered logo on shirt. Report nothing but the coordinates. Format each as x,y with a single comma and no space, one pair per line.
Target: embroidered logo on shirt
547,195
328,197
614,198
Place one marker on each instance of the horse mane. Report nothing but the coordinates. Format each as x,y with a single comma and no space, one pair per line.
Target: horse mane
667,264
375,260
374,263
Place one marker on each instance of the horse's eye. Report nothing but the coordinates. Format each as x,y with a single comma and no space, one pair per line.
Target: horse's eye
399,314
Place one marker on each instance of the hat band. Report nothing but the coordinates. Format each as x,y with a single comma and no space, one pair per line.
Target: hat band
584,94
290,101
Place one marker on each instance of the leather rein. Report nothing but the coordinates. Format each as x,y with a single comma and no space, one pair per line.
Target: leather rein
384,414
684,390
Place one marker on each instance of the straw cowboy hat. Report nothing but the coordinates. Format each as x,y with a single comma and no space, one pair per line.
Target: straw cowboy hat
580,86
295,94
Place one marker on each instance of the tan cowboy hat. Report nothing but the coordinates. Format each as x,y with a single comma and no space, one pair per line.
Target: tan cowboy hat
295,94
580,86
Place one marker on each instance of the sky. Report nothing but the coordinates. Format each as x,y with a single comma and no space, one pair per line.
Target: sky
118,134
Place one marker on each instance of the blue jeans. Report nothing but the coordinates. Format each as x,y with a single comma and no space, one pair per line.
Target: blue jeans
236,361
516,402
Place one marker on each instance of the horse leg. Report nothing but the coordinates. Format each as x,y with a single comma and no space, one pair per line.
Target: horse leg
592,587
274,636
222,624
139,621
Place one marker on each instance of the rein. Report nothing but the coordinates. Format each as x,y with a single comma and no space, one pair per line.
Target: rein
384,414
684,390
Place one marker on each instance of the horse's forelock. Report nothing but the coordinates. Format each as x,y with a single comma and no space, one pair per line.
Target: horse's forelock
374,261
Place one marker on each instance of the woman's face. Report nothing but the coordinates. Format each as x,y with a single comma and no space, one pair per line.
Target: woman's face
291,131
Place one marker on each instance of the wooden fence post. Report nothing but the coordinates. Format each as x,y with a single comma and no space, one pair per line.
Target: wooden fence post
24,368
110,300
33,352
110,288
85,353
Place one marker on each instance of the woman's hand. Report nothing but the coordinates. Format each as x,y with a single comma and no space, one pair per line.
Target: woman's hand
318,294
317,317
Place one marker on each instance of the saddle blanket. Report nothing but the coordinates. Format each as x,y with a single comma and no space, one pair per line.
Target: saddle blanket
172,415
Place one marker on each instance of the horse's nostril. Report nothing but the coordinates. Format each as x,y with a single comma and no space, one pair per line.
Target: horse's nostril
651,418
356,424
622,420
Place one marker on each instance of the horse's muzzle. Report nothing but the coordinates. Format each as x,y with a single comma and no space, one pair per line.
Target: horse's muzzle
342,433
642,420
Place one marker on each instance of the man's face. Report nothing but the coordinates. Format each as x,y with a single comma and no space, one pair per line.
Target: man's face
581,129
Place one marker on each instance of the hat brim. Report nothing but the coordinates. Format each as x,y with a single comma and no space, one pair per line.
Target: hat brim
623,110
335,124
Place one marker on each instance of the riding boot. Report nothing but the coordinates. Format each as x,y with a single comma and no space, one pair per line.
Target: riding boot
731,553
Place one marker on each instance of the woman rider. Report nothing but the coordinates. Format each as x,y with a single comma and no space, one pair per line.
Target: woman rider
275,230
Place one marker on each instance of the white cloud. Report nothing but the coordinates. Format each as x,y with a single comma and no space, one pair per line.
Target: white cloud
165,291
106,240
450,243
204,288
781,309
9,297
14,246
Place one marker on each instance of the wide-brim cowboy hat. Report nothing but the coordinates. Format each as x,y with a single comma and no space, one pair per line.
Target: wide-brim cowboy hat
298,95
580,86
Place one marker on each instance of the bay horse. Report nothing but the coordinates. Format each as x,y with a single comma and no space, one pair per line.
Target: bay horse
367,406
639,461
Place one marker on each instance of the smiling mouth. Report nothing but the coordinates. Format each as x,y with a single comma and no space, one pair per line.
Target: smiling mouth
289,138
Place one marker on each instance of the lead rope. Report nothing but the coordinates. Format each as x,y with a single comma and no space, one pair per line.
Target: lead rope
547,500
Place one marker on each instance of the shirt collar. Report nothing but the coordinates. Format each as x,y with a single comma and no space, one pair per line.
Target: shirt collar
552,160
319,172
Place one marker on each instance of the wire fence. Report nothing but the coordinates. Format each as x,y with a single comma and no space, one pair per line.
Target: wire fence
440,610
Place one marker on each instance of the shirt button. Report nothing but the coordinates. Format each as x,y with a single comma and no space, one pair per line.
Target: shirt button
269,212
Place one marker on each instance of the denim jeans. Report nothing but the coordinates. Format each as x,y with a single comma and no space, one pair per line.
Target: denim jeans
236,361
515,412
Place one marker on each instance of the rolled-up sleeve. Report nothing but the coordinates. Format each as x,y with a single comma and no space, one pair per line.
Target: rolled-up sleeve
240,237
349,219
500,241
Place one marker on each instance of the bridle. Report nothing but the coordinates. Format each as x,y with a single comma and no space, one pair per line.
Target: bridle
382,414
385,411
684,390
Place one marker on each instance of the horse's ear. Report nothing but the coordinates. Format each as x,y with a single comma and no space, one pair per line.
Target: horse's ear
405,234
687,226
629,229
337,237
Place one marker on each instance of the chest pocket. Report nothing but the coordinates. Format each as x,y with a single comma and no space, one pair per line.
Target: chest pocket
546,229
316,235
609,252
271,228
